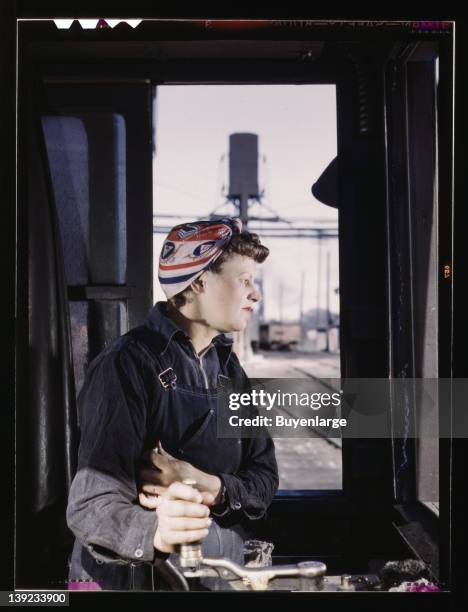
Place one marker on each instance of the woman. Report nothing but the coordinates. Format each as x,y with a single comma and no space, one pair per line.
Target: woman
159,387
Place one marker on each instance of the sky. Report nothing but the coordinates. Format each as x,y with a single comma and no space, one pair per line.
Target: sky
296,128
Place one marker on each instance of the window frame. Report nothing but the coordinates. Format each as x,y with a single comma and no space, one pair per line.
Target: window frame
204,71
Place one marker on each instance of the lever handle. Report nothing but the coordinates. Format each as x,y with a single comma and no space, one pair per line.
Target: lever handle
190,554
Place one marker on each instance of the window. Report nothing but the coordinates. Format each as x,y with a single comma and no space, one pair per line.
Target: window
289,138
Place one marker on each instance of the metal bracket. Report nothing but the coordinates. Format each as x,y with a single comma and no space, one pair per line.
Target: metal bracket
168,378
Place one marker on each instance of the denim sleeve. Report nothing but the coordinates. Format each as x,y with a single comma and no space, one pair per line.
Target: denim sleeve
103,511
103,517
253,487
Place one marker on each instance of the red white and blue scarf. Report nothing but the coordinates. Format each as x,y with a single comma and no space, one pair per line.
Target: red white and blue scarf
190,249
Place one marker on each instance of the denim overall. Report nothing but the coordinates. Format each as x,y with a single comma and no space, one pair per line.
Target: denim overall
184,420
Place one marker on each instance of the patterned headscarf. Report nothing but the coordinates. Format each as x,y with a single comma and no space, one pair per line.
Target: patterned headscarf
190,249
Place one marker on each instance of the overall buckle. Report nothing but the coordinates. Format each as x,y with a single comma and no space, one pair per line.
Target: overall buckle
167,378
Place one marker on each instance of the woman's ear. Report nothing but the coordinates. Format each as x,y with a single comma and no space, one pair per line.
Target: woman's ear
198,285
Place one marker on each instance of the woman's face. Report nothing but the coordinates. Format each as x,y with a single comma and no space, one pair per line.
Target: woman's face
229,297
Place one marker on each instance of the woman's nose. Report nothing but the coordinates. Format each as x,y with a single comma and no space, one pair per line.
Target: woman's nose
255,294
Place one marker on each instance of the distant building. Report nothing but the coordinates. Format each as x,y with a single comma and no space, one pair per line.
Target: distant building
279,336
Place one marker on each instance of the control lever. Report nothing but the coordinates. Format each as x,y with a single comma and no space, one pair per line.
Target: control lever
258,578
190,554
194,565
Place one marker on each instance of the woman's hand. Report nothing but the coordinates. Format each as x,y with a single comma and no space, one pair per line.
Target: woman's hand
166,469
159,471
183,517
163,469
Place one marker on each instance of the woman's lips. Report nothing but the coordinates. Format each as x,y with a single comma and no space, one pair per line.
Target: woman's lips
248,309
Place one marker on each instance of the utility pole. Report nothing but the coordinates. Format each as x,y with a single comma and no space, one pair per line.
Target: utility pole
281,301
301,304
319,268
327,345
261,306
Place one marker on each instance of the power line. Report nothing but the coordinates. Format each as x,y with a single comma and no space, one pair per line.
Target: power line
274,232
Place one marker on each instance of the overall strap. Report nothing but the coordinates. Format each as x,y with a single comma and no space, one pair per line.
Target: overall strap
166,375
148,343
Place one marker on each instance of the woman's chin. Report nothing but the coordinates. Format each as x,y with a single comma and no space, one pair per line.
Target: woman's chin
236,324
240,326
231,327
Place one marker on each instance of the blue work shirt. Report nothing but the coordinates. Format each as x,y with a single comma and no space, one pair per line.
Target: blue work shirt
128,404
